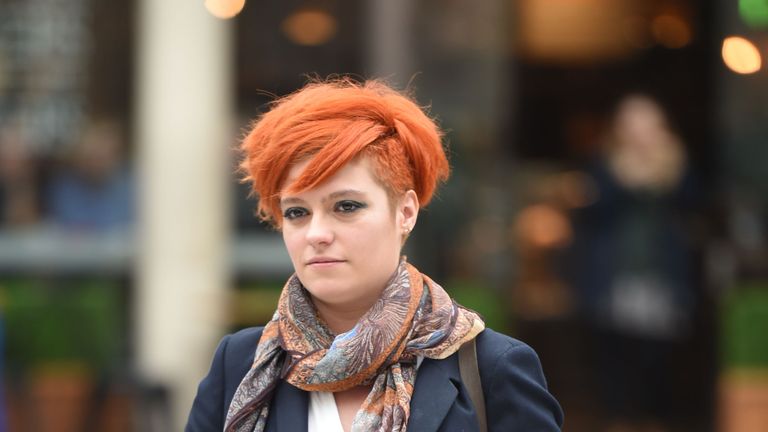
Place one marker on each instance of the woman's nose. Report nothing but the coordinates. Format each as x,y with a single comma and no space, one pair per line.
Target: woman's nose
320,231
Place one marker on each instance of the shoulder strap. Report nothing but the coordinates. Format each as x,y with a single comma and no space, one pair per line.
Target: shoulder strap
470,376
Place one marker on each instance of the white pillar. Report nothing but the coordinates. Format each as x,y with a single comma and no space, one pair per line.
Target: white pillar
184,113
389,52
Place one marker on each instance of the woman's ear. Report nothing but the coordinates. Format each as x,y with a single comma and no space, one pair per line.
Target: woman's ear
408,211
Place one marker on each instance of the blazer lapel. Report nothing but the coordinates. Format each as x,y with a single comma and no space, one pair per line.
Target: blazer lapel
434,393
289,409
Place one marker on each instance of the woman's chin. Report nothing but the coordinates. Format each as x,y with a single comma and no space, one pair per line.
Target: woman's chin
328,293
336,298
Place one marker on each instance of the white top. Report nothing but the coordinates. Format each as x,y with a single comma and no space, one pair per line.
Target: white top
323,413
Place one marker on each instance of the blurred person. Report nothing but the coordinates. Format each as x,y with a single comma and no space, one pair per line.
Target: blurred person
632,268
19,194
361,340
94,189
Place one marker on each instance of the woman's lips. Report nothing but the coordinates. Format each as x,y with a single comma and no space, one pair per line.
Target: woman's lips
323,262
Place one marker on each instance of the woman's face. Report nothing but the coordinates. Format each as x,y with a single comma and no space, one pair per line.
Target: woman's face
344,236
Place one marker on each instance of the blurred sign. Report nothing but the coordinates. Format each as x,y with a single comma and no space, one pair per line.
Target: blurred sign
43,70
583,31
566,30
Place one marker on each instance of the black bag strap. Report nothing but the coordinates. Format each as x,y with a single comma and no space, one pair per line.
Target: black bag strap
470,376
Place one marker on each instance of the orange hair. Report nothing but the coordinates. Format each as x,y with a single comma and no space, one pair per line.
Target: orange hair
332,122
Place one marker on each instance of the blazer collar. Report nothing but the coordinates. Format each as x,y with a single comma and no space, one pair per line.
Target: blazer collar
435,391
290,409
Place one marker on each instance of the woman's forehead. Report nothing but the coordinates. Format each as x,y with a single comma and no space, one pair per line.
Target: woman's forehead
356,176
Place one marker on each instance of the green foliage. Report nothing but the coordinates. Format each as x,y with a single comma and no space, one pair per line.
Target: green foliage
47,322
745,327
482,299
754,12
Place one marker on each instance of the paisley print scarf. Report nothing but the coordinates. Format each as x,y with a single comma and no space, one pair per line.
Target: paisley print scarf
413,317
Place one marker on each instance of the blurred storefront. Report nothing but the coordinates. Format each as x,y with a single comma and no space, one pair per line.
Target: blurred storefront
128,246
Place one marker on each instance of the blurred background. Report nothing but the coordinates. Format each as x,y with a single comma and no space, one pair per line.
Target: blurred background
607,204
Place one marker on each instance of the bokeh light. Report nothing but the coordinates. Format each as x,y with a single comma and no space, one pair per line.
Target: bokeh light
671,31
741,55
309,27
224,9
543,226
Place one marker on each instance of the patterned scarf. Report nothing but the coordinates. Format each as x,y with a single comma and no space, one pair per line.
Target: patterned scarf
413,317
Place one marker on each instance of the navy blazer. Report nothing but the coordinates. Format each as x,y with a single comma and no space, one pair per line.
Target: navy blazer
516,395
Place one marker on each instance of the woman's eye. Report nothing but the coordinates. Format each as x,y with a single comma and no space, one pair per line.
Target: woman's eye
294,213
347,206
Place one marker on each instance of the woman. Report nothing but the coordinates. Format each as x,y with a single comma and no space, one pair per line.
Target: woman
360,340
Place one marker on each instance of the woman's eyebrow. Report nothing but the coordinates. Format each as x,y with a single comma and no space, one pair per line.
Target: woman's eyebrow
290,200
341,193
333,195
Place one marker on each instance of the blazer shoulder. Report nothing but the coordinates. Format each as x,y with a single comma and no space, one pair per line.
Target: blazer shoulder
498,351
231,361
513,382
492,345
490,342
237,357
243,342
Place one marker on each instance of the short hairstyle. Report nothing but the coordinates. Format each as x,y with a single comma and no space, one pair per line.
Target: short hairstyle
333,122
